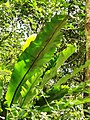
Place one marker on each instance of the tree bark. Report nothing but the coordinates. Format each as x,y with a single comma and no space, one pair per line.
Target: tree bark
87,33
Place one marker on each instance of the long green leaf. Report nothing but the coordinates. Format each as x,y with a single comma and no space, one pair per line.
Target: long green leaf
56,88
62,57
46,105
65,78
38,53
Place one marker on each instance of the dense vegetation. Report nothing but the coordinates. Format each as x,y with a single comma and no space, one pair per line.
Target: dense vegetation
43,78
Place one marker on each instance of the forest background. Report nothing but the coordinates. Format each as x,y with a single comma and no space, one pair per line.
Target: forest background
18,20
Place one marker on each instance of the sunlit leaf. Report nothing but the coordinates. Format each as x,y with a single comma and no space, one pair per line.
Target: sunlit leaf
34,57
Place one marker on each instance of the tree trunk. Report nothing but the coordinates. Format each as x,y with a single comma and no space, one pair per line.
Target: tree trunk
87,33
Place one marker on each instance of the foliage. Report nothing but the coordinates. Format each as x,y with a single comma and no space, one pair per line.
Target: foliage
34,57
30,79
19,20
